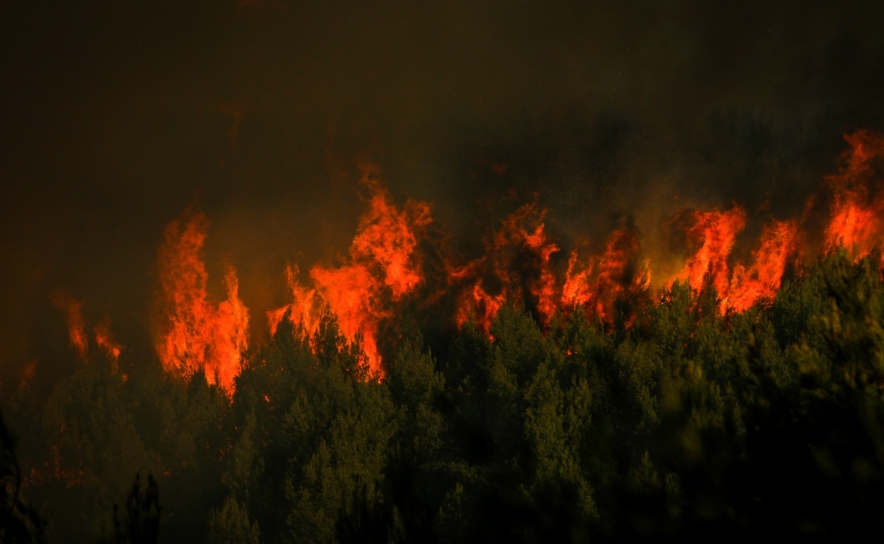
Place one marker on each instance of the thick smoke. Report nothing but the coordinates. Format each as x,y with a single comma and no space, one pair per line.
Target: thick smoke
117,116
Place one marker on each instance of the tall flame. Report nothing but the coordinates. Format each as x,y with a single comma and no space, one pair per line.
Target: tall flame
196,334
715,232
857,221
383,268
762,279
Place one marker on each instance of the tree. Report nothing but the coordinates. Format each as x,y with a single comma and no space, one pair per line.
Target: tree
231,525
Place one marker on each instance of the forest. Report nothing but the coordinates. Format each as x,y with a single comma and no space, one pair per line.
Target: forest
279,272
672,420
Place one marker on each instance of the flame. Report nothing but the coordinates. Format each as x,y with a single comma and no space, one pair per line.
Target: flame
715,232
478,304
303,310
350,293
857,212
616,272
577,289
197,335
762,280
231,334
73,310
383,268
517,265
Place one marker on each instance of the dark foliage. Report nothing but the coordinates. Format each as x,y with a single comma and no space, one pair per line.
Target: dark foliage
141,521
20,523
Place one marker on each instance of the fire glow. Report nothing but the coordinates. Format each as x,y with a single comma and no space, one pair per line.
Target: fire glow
385,267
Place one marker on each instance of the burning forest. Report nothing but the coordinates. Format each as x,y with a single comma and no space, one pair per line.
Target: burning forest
352,320
385,271
469,273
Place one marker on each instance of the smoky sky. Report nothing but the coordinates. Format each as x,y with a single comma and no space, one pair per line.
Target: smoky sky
115,116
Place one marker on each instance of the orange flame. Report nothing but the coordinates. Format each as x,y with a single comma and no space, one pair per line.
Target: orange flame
858,203
715,232
543,289
518,263
196,335
477,302
748,285
303,310
578,284
617,272
382,269
385,266
73,310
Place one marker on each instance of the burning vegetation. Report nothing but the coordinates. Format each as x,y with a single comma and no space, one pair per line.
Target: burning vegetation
385,267
557,397
197,335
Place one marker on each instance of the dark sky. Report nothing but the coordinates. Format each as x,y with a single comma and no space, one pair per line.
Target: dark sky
114,116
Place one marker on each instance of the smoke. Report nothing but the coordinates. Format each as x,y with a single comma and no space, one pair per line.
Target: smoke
117,116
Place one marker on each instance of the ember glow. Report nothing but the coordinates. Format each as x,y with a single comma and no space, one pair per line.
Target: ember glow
104,338
73,310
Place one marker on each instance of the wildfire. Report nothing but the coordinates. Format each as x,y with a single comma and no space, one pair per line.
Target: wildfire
517,266
616,272
858,203
196,334
762,279
383,268
715,232
104,339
